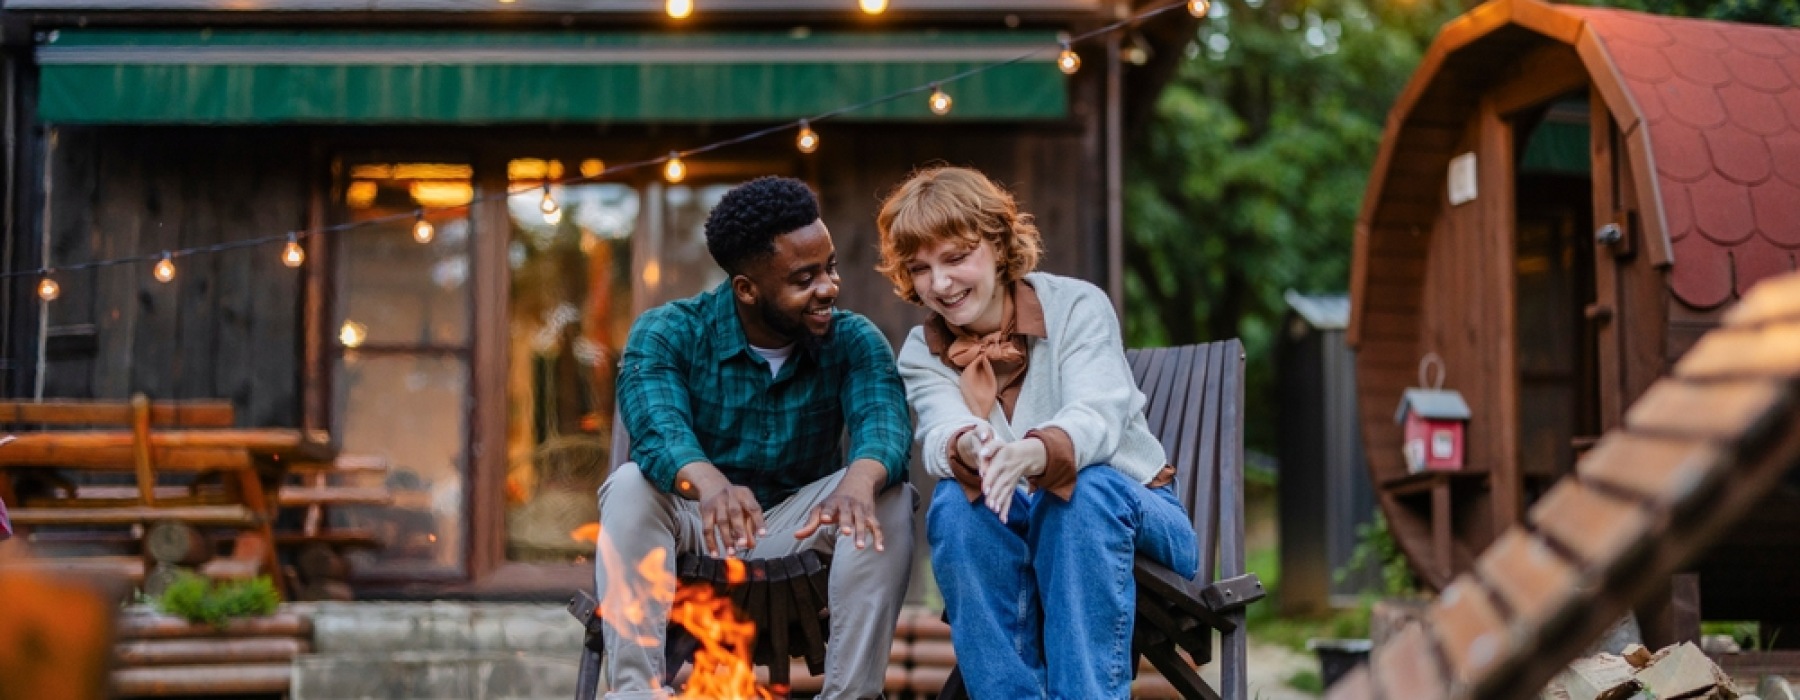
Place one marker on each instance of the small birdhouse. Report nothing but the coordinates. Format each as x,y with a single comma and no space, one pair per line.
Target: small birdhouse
1434,420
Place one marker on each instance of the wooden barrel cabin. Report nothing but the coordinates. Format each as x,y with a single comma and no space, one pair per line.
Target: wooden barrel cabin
1565,198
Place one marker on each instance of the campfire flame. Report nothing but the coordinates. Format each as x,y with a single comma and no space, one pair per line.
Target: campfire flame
721,667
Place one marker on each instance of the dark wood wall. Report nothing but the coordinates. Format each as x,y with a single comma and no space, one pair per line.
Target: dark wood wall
228,324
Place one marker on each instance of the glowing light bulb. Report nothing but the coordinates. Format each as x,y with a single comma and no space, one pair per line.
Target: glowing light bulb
48,289
680,9
1067,61
674,170
165,269
940,101
872,7
423,231
292,255
808,140
1199,8
352,334
547,205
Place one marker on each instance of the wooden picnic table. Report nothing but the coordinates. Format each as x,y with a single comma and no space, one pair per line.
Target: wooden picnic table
186,449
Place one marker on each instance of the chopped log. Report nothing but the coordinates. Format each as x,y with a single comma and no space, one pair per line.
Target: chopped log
326,589
319,562
204,680
231,569
161,577
178,543
165,652
153,626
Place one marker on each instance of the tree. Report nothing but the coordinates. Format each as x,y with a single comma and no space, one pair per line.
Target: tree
1247,180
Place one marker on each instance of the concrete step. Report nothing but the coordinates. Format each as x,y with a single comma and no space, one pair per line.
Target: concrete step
434,675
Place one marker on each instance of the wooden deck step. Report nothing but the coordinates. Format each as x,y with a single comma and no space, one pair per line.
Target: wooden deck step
281,624
128,515
219,680
169,652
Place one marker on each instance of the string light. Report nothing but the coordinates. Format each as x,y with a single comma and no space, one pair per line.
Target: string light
292,255
547,205
165,268
873,7
423,231
352,334
940,101
808,140
674,170
1067,61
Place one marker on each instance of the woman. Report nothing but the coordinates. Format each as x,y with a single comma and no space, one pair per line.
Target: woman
1027,410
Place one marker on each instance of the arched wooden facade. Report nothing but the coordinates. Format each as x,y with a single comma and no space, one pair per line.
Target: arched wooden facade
1680,136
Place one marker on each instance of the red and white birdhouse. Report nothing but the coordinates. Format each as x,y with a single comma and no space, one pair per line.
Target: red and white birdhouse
1434,420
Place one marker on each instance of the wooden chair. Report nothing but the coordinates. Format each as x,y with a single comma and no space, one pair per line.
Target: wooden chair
1195,407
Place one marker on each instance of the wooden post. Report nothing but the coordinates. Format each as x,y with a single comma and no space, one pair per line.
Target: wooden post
140,449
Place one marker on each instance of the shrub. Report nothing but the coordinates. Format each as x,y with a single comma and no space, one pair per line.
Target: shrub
193,598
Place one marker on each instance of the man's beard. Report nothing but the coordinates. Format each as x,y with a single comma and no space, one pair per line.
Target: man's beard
790,326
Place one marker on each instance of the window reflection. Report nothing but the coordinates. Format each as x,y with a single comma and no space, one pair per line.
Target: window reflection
579,279
401,370
570,310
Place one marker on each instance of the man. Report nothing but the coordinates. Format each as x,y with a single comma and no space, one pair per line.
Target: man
736,401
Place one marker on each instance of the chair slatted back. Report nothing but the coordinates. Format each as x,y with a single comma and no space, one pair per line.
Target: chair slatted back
1194,407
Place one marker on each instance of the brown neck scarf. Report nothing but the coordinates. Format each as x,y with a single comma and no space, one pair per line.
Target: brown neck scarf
992,365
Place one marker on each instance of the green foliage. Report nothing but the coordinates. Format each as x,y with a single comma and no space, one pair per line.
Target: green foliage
193,598
1249,177
1375,546
1308,681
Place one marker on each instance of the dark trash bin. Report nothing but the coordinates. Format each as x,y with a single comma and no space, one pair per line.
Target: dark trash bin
1338,656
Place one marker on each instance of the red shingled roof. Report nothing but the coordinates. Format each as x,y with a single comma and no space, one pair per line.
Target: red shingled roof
1722,104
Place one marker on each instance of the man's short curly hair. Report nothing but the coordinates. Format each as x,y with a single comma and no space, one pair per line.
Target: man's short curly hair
743,227
954,203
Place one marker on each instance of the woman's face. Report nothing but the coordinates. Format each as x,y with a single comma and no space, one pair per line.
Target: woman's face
960,283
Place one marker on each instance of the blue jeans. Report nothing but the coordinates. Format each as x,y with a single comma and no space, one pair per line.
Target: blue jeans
1054,582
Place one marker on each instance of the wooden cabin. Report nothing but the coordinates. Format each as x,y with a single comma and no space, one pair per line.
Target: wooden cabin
477,359
1564,199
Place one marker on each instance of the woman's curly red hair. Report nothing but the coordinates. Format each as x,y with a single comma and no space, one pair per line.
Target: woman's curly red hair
951,203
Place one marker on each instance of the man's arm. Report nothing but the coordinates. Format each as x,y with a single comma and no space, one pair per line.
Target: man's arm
874,401
653,398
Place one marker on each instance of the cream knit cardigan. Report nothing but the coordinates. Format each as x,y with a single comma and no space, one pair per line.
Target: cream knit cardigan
1077,380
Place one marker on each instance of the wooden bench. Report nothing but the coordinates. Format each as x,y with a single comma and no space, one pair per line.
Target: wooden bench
1195,407
148,440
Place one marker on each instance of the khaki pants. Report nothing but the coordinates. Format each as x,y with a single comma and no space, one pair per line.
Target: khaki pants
867,587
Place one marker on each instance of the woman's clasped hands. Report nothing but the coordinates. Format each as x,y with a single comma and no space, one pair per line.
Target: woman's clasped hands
1001,464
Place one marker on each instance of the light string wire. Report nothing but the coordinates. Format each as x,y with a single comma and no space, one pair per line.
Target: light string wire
426,212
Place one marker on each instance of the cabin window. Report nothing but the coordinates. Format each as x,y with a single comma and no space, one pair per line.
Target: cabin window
400,358
583,265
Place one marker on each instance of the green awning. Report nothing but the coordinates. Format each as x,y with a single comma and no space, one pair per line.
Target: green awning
102,76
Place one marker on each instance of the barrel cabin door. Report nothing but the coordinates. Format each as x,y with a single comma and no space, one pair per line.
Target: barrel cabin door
1559,316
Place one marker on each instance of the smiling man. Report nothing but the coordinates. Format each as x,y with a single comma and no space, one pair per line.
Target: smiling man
738,402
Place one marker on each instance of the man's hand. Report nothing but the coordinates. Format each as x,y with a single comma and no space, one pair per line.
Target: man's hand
730,517
851,506
1004,465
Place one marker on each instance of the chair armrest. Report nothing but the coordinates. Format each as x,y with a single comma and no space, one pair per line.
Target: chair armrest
1233,593
1165,584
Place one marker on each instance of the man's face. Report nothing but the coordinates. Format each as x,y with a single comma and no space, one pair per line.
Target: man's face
794,290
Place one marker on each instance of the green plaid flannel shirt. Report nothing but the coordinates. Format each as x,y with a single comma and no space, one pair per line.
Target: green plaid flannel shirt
691,389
